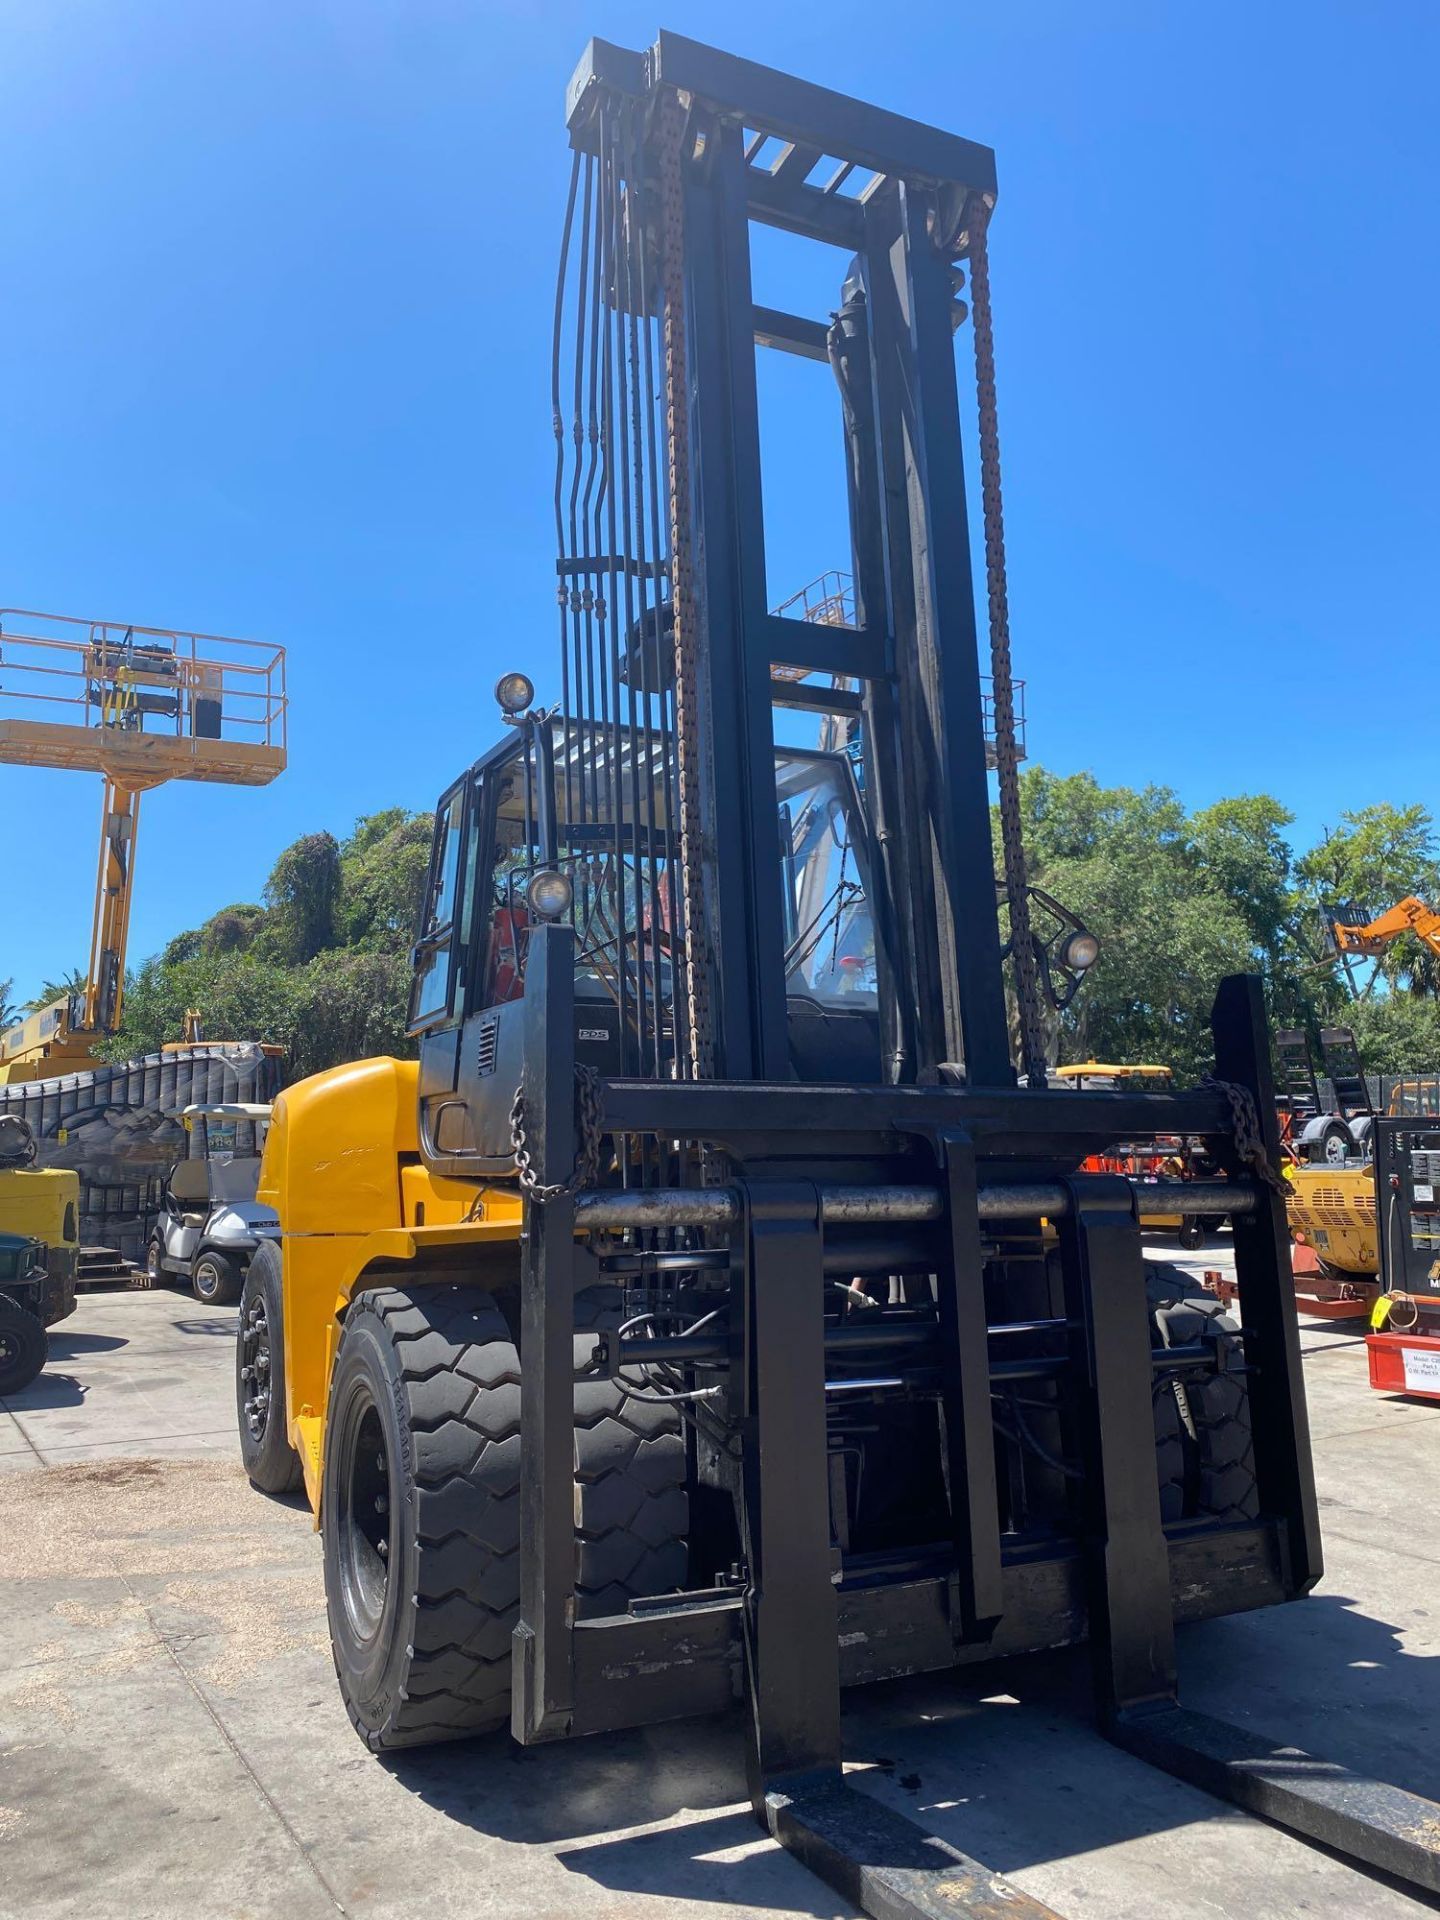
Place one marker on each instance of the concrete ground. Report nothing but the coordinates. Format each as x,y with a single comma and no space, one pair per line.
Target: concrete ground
172,1742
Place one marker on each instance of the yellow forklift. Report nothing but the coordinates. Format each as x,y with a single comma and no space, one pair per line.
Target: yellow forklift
39,1252
680,1330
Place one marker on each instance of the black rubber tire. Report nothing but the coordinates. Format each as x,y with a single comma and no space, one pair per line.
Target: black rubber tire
1335,1145
268,1457
215,1278
420,1632
1204,1446
154,1272
24,1346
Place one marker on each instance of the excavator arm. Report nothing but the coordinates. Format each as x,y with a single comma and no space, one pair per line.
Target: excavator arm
1374,936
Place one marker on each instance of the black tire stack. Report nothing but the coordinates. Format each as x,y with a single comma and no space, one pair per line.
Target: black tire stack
1204,1446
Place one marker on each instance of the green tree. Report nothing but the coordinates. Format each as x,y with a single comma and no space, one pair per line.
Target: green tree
241,997
53,990
384,864
1376,856
1125,862
10,1011
303,895
350,1006
1397,1032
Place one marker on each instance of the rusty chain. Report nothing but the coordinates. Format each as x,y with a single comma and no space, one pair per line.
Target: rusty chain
1249,1140
682,583
1007,764
589,1129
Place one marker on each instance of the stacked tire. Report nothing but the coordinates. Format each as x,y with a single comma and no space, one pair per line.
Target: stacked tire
1204,1445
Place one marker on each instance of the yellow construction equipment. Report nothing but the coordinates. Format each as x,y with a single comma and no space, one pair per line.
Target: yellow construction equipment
1162,1159
42,1205
682,1326
1369,938
139,706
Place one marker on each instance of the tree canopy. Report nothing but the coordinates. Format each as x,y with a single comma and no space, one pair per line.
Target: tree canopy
322,967
1178,899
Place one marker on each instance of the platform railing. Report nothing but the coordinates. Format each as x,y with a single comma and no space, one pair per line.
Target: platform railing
99,674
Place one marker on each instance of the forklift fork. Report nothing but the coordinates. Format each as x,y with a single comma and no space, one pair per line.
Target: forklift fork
789,1626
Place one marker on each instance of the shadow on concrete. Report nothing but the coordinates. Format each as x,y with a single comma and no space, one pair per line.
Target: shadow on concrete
1005,1763
227,1328
1009,1766
680,1863
598,1791
65,1345
50,1390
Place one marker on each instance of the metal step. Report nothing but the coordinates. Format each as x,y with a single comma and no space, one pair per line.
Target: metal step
103,1267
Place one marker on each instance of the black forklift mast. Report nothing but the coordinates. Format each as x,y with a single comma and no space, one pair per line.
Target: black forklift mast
759,1177
912,652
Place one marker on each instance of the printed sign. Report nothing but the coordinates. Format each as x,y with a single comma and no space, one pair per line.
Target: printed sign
1422,1369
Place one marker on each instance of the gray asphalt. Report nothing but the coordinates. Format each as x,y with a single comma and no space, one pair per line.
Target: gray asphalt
172,1743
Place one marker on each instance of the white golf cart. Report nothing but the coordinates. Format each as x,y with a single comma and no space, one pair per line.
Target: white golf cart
210,1221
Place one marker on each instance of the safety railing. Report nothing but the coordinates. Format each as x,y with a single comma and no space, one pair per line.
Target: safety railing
829,601
101,674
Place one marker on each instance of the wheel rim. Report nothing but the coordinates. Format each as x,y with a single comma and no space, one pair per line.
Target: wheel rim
255,1369
364,1531
1335,1151
9,1350
152,1262
207,1279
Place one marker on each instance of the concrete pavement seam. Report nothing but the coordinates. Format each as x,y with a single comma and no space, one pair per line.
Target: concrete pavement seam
224,1732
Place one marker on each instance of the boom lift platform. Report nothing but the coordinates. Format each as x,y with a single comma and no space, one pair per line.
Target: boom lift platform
139,706
829,1362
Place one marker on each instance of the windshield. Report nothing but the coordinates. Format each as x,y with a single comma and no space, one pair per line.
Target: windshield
829,932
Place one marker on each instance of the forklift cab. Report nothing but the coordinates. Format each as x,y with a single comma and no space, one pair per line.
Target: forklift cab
530,833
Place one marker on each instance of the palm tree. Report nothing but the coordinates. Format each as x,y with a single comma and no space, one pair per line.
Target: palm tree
53,990
9,1012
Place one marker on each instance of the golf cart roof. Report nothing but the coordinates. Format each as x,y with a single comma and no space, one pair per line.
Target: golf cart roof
227,1110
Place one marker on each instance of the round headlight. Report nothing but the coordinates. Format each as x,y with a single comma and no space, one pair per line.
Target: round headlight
1080,951
515,692
550,894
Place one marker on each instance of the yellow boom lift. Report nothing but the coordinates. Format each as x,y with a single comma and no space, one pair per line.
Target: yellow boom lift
1332,1206
139,706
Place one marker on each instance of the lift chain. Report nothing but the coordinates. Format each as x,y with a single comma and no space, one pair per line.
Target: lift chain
589,1129
1027,985
1249,1141
673,120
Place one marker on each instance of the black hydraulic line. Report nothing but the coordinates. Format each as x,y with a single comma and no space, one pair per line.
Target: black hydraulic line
634,428
679,1060
611,404
865,1342
563,592
590,507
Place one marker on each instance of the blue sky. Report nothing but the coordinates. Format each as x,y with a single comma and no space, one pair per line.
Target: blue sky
274,362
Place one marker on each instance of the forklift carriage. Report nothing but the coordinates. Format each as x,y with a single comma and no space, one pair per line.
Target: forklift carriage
831,1363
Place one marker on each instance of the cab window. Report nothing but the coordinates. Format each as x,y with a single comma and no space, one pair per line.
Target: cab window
512,857
436,986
